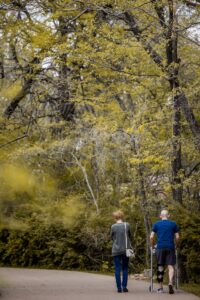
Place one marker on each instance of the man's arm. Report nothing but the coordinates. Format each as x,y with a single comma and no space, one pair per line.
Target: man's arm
152,239
177,237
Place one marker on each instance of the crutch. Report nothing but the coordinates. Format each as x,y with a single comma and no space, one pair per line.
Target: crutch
151,272
153,252
177,271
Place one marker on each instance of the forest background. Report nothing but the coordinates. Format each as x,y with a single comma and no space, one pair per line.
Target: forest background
99,111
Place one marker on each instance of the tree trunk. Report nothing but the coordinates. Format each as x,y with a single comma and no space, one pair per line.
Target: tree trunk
10,109
66,107
30,71
176,154
144,207
143,202
172,67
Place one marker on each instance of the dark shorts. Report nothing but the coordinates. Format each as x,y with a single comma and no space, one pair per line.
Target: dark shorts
166,257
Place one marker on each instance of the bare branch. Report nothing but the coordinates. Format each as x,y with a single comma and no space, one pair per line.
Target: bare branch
15,140
87,181
192,3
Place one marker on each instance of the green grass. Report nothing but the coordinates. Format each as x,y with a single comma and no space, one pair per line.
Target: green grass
193,288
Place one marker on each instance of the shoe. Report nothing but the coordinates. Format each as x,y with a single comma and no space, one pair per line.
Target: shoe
160,290
125,290
171,290
119,291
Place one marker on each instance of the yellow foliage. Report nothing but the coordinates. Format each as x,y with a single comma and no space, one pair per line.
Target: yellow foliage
17,179
141,128
153,159
11,223
43,39
11,91
135,160
130,130
68,211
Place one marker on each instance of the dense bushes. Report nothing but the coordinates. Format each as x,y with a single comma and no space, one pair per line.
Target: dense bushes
86,245
190,245
54,246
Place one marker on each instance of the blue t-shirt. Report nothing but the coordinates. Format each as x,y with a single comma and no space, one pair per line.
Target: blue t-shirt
165,230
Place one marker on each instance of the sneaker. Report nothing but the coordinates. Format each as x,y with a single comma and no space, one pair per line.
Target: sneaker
119,291
160,290
125,290
171,290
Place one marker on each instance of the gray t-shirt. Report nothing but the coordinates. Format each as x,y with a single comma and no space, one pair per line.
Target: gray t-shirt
118,236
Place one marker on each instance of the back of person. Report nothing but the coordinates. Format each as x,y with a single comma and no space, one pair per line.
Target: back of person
165,230
118,237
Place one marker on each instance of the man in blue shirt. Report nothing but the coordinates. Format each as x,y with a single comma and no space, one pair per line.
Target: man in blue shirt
166,231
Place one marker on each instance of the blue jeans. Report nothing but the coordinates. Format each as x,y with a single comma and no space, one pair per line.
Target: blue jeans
121,264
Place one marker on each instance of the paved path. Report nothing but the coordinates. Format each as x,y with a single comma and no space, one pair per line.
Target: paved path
34,284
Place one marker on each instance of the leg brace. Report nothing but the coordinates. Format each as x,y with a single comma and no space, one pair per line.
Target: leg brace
160,273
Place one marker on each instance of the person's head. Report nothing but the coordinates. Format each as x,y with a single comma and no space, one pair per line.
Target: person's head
164,214
118,215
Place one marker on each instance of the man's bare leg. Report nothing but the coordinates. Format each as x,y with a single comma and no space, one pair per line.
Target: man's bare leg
171,276
160,285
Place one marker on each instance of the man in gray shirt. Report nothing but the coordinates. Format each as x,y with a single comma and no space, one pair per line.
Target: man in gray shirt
119,250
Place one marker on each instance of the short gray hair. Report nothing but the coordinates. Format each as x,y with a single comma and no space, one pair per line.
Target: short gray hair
164,213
